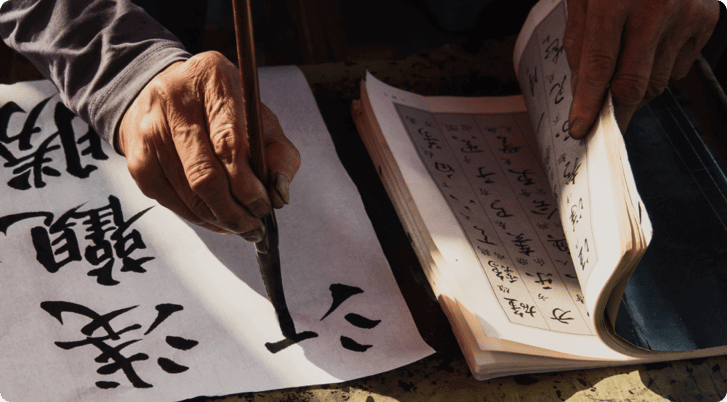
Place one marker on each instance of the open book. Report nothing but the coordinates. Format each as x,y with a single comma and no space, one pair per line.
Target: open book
527,236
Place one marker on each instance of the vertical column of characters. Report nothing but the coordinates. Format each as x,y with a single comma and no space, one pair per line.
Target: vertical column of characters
488,214
550,229
535,240
570,155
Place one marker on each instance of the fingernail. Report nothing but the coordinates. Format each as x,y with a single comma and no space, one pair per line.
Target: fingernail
573,82
259,208
282,186
577,129
233,226
253,236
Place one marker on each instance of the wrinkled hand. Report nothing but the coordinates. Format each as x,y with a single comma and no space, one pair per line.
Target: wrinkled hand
632,47
186,147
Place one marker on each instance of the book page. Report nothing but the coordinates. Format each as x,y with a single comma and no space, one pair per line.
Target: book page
465,167
107,296
495,187
588,184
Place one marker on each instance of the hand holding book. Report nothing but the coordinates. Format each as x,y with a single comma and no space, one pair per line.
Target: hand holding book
632,48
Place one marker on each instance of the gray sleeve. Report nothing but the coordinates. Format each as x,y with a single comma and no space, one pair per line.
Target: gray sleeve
99,53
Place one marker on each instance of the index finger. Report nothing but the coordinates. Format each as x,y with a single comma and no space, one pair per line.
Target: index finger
601,45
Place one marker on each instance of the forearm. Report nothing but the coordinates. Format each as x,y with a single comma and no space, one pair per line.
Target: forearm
99,53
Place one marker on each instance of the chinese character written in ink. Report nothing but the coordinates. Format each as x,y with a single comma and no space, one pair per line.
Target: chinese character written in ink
571,171
543,279
520,308
58,238
559,88
111,350
521,243
500,210
432,142
485,239
339,294
524,176
36,162
505,274
532,79
507,147
444,168
553,50
485,176
561,316
468,147
560,244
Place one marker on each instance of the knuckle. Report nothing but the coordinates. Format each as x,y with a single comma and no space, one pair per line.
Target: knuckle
629,89
656,86
226,142
678,73
599,66
204,179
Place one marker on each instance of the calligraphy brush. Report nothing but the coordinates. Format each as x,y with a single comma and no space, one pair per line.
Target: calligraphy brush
268,255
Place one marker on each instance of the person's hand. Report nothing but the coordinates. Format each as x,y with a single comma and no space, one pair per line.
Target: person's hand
632,47
186,147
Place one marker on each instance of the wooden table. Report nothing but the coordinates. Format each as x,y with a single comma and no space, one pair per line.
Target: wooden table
444,376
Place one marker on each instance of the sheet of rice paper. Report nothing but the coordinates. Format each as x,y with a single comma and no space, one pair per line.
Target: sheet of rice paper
106,295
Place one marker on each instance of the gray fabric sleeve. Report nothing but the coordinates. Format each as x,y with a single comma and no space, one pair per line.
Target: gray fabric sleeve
99,53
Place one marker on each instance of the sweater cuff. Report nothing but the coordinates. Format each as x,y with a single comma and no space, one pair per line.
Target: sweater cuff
109,108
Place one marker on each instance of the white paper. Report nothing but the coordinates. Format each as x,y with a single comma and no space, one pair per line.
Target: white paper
218,317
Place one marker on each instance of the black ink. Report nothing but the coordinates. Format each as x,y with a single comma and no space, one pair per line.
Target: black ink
507,147
444,168
532,78
29,127
58,238
500,210
485,176
180,343
361,321
521,308
340,294
522,243
484,238
553,50
432,142
350,344
469,147
163,312
560,89
170,366
524,176
560,244
35,162
543,279
275,347
111,352
560,315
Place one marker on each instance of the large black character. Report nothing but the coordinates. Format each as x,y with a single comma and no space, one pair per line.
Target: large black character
35,162
339,293
112,354
100,253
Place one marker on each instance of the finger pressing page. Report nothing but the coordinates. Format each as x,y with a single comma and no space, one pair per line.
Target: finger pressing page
601,45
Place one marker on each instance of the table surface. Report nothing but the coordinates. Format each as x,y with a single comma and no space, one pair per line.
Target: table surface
445,376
